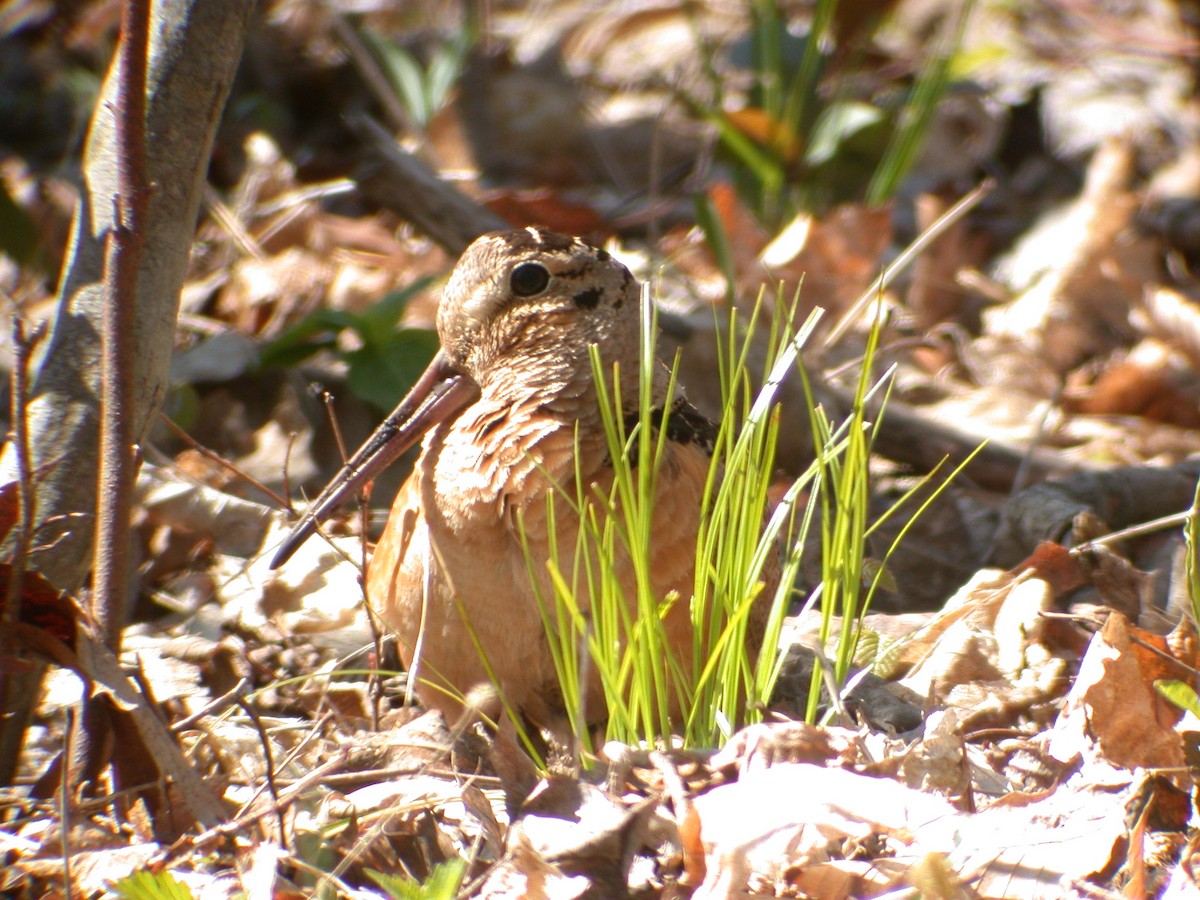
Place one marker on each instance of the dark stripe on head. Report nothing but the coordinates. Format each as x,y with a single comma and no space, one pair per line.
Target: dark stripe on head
589,298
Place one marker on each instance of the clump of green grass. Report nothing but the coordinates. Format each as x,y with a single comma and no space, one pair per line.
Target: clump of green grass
742,545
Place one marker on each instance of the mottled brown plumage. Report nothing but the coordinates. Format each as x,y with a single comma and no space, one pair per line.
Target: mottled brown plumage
509,411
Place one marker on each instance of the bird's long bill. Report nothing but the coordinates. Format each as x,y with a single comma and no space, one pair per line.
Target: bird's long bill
439,393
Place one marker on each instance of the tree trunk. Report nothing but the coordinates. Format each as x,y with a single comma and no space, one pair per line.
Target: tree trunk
194,51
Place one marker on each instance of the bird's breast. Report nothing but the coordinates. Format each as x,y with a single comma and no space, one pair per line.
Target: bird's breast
496,464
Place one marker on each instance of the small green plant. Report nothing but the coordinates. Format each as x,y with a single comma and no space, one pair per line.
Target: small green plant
422,89
147,885
808,135
624,639
443,882
743,544
388,359
1179,692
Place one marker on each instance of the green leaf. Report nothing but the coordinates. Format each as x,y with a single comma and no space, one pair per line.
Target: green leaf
445,67
837,125
152,886
319,330
1191,536
1180,693
918,112
404,73
381,372
443,882
316,331
381,318
765,168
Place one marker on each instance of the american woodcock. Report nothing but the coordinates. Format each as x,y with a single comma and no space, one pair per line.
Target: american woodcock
510,413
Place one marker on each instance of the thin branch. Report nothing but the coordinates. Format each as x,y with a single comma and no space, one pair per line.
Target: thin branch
122,264
18,689
269,762
900,263
218,459
23,345
64,806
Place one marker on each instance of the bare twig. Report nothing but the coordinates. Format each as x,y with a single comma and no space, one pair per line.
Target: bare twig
269,762
287,796
19,690
923,240
64,806
225,464
401,182
373,75
122,262
213,707
23,345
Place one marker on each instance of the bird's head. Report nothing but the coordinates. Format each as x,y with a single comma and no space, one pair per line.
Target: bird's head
522,308
517,318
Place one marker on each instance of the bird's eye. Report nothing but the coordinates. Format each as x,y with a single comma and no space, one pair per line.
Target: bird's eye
529,279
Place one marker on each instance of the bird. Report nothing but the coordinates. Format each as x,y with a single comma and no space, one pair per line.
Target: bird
510,414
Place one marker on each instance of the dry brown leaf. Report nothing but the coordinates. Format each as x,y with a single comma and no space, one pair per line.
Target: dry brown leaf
1042,849
839,258
771,743
525,875
319,590
550,209
934,295
643,41
1149,382
92,871
804,817
1113,711
745,235
237,526
571,837
985,657
937,763
296,275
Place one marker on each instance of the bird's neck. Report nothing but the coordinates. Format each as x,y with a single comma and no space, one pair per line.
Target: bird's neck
566,384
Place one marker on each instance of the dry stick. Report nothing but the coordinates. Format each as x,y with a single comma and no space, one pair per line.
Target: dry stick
230,467
122,263
371,72
1022,476
269,762
213,707
286,490
287,796
23,344
18,690
927,237
64,807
